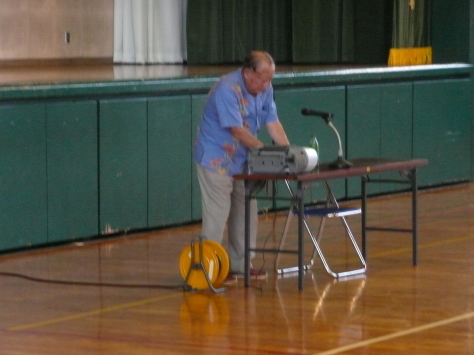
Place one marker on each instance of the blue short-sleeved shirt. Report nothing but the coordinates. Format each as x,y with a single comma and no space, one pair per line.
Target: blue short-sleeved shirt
230,105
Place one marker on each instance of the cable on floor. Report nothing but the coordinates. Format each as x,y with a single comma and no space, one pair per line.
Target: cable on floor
83,283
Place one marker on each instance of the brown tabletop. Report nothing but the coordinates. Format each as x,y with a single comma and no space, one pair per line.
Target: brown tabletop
361,166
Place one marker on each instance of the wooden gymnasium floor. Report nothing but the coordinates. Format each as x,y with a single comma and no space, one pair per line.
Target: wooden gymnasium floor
394,308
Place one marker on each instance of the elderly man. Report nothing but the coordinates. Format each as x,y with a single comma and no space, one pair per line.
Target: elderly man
238,105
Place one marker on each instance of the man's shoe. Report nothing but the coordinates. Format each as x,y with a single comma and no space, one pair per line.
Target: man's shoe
254,274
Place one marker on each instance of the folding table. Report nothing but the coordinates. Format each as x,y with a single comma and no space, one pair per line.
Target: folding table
363,168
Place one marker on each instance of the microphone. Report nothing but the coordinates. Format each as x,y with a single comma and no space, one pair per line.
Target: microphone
324,115
340,162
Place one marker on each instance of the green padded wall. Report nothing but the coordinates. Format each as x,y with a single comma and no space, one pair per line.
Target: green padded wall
23,205
396,127
169,160
363,129
66,157
198,102
72,170
380,126
442,130
123,164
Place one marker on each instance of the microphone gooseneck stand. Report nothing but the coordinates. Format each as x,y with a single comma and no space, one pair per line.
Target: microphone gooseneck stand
340,162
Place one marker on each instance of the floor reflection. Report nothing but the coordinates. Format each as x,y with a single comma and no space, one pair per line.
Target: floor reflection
204,314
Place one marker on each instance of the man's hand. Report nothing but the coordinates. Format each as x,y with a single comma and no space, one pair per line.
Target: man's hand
245,137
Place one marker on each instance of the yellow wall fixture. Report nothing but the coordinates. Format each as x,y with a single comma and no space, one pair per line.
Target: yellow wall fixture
410,56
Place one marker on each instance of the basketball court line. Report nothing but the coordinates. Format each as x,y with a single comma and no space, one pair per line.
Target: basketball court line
409,249
91,313
397,334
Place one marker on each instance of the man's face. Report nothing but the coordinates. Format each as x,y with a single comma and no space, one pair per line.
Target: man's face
258,80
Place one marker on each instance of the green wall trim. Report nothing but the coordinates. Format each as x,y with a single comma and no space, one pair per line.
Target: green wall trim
201,84
353,76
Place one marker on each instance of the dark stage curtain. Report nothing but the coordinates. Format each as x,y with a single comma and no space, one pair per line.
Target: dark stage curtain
293,31
323,31
223,31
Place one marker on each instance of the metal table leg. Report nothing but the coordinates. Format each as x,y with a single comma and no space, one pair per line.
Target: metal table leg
364,180
300,202
414,216
247,234
411,178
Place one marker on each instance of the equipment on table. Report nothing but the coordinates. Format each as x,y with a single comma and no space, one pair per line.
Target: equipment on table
282,160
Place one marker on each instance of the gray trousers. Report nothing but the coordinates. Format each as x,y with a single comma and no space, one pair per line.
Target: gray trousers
223,202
